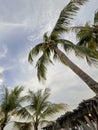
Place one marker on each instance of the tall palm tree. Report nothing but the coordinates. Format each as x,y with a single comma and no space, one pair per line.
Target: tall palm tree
39,108
10,100
51,44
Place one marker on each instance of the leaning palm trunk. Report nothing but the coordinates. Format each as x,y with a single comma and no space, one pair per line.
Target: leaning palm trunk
92,84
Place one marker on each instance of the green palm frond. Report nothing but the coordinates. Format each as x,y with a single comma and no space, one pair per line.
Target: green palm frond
23,125
43,121
66,15
75,28
79,50
85,35
96,18
92,61
23,112
45,38
46,94
5,99
86,52
66,44
51,109
11,99
31,96
34,52
15,98
41,64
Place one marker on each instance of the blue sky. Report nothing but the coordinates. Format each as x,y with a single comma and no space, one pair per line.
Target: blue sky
22,25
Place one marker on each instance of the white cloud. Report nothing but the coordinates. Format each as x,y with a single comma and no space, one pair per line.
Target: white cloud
3,51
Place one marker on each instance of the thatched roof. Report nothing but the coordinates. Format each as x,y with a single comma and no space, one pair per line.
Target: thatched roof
86,112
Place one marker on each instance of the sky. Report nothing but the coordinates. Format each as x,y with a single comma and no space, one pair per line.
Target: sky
22,25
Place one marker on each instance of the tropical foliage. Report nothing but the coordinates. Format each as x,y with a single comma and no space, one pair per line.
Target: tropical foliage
87,36
10,101
84,117
39,108
50,45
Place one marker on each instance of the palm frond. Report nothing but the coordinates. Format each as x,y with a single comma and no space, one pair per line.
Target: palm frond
81,51
34,52
96,18
44,122
92,61
23,125
46,94
85,35
66,15
66,44
52,109
77,28
23,112
86,52
41,66
45,37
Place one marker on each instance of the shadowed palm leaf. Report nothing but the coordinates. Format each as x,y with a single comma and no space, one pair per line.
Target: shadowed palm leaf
23,125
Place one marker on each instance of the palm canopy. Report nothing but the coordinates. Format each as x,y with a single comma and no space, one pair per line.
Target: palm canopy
46,48
10,100
39,107
65,17
87,36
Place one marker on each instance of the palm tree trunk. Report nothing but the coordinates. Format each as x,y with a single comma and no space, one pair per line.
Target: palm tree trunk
92,84
35,126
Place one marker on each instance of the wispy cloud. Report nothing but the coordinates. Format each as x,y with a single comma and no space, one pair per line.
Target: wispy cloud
3,51
9,24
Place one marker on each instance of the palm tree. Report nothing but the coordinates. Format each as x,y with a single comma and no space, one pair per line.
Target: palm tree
88,36
10,100
85,117
39,108
51,44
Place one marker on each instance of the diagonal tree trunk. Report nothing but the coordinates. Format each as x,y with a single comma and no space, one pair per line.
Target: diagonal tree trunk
92,84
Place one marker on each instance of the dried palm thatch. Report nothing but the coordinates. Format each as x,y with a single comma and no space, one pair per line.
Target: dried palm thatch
84,117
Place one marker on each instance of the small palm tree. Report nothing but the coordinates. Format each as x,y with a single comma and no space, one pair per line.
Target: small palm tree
51,44
10,100
39,108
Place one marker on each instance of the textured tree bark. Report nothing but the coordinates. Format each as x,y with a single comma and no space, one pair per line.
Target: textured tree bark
35,127
92,84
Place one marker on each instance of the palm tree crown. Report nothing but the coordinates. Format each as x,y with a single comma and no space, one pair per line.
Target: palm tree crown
39,107
50,45
10,101
47,46
88,37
